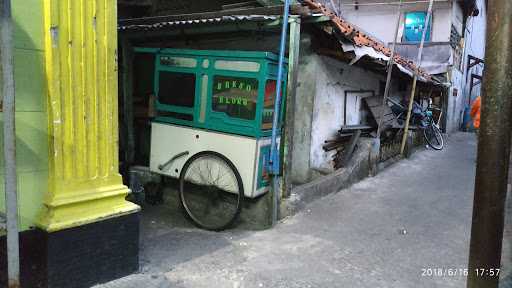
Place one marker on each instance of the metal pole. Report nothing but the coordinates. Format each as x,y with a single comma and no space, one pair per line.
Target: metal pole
493,150
415,78
274,151
6,40
391,62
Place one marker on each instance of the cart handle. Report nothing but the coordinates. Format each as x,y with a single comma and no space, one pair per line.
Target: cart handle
163,166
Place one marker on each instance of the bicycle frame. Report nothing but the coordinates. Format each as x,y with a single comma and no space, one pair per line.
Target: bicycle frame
429,115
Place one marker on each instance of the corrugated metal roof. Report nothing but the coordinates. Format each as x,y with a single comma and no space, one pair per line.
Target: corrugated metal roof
208,21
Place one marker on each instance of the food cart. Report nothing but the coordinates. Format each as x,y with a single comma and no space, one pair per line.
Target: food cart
213,128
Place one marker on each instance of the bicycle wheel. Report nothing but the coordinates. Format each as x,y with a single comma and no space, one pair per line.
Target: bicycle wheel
211,191
433,136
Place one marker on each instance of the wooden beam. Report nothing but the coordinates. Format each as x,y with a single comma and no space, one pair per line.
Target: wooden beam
199,30
271,10
269,2
347,155
128,109
136,3
240,6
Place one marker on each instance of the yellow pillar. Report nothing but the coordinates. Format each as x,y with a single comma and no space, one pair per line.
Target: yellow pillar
81,70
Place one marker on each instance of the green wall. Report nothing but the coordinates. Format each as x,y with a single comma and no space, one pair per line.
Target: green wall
31,108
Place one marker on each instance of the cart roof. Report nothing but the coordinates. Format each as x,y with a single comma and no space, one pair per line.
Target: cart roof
211,53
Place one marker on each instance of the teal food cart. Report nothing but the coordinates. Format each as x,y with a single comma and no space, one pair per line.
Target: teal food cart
213,126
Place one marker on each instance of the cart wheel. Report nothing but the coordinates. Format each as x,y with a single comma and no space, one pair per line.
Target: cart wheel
211,191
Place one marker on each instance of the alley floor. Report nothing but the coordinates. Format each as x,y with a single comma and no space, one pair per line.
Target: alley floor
385,231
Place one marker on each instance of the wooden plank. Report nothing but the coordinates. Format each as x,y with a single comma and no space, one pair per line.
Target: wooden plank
373,101
375,105
128,111
355,127
351,147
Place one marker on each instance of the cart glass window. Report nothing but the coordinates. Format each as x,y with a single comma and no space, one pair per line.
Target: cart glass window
177,89
269,102
178,62
235,96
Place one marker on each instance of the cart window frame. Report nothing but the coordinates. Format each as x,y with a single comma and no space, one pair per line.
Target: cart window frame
242,85
182,114
202,114
186,102
221,121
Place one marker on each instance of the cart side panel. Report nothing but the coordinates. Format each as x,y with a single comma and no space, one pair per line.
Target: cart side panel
169,140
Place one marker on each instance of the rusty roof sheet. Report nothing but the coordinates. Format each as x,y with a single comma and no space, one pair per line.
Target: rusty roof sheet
359,38
190,22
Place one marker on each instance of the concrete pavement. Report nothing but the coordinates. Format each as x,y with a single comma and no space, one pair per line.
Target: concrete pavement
385,231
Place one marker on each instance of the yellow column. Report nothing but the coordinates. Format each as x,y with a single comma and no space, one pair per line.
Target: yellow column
81,68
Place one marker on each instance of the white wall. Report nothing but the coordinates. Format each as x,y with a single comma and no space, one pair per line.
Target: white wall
475,45
380,20
455,104
333,78
458,18
458,107
475,32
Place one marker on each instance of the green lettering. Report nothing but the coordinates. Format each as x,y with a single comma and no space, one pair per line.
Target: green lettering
226,85
248,88
245,102
221,99
219,86
228,101
241,86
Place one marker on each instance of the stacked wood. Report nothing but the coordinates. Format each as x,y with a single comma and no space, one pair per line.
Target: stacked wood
345,143
337,143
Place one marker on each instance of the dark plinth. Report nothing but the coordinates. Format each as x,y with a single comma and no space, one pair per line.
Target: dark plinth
77,257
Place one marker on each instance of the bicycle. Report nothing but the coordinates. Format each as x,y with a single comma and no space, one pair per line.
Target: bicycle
424,119
432,133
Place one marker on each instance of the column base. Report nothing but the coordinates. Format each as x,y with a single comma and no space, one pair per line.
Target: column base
77,257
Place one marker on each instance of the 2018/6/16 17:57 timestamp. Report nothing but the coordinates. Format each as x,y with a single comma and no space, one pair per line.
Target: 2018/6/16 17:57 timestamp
455,272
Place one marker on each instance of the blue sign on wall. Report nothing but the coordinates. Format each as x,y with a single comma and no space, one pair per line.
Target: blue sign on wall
414,25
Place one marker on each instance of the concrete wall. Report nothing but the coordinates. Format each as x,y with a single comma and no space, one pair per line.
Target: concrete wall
303,112
475,45
31,112
476,32
458,18
380,20
320,108
455,109
475,36
333,79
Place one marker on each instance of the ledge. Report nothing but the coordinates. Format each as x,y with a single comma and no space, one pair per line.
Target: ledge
73,214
